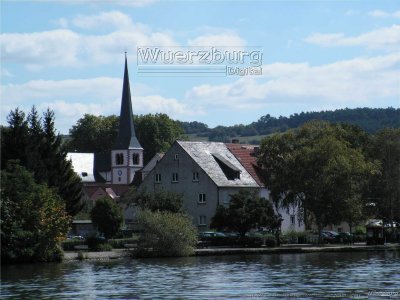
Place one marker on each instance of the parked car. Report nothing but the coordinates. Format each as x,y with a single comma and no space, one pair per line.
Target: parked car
206,234
330,237
345,238
75,237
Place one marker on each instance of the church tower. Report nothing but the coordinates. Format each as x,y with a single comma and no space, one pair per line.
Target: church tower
127,153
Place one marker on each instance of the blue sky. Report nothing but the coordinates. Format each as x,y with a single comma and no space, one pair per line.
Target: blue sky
317,55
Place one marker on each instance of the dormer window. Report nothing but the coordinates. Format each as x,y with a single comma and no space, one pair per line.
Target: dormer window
230,170
135,158
119,159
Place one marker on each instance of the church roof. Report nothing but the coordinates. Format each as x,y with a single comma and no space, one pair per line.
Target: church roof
83,165
126,138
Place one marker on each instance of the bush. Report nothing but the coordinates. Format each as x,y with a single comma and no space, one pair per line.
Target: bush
165,234
120,243
294,237
69,245
360,230
106,215
104,247
94,242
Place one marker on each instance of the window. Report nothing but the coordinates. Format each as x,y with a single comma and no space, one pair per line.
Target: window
158,178
292,220
119,159
84,174
174,177
176,156
231,171
195,176
202,198
202,221
135,158
119,179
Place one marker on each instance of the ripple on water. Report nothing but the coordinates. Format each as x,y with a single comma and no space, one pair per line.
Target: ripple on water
274,276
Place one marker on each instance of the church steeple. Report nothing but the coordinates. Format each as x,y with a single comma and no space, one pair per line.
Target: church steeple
127,153
126,134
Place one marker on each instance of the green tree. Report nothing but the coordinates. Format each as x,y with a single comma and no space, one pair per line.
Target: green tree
166,233
156,133
317,168
14,138
157,201
246,211
35,143
106,215
33,218
93,134
385,187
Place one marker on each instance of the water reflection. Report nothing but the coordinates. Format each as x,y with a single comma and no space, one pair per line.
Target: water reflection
219,277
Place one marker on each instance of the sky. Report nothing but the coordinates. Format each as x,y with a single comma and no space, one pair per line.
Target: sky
316,55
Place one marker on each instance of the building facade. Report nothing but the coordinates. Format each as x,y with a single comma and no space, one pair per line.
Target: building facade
205,173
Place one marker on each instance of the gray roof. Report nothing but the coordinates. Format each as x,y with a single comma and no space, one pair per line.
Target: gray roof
83,164
203,153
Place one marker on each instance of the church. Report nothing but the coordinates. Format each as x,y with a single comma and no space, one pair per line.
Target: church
111,174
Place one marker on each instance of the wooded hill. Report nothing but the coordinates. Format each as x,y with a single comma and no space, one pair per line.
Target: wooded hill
370,119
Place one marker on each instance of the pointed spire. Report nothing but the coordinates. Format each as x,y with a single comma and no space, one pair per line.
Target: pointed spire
126,134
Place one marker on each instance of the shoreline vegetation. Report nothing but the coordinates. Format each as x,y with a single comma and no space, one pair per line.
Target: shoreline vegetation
285,249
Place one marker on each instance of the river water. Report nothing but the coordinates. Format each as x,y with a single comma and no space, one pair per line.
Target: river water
362,275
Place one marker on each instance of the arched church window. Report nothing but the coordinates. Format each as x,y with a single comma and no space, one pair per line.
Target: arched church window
135,158
119,159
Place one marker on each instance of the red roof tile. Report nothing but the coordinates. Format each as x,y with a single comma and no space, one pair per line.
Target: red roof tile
246,155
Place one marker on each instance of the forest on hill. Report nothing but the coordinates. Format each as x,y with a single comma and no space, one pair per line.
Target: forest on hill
369,119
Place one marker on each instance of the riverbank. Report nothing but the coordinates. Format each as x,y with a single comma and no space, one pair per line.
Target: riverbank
285,249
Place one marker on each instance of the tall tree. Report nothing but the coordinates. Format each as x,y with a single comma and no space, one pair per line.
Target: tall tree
35,143
317,168
93,134
33,218
157,201
385,187
156,133
107,216
14,138
246,211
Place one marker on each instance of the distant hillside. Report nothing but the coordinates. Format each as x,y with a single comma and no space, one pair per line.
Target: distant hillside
370,119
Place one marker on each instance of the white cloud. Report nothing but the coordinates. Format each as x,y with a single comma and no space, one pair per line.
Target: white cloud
71,99
157,104
386,38
47,48
384,14
362,81
64,47
101,88
111,19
